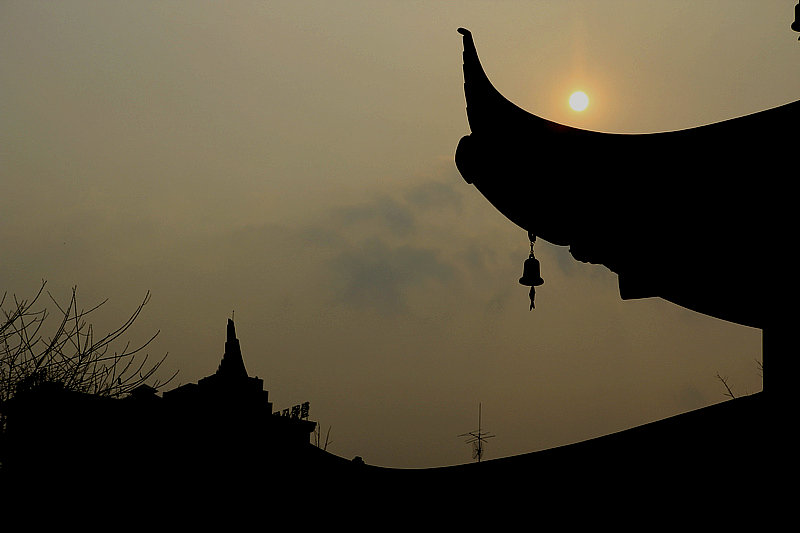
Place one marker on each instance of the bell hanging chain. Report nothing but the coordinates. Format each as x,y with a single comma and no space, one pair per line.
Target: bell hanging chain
531,272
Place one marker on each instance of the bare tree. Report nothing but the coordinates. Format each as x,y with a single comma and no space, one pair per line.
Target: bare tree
71,357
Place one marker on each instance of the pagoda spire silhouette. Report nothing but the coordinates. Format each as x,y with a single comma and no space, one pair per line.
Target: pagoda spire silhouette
231,384
232,364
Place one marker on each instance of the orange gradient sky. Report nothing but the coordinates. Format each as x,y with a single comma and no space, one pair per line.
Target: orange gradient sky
293,161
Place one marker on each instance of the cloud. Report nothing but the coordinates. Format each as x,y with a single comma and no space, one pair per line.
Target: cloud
378,276
384,212
400,212
434,194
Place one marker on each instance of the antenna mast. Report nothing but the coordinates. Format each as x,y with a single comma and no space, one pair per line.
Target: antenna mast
477,438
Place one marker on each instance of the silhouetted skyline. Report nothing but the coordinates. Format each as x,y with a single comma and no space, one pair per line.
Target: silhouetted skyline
294,162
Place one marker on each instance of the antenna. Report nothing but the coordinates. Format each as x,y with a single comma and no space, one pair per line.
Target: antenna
477,438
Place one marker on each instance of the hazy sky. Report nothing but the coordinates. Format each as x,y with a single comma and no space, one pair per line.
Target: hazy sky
293,161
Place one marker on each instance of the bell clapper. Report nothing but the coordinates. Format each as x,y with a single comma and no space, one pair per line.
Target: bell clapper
531,272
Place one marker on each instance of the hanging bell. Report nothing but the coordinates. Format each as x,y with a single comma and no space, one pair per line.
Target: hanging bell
531,273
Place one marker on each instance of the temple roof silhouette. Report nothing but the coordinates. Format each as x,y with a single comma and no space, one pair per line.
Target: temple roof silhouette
235,395
232,364
698,216
220,428
198,446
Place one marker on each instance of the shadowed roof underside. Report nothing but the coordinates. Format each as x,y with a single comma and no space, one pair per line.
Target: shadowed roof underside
695,216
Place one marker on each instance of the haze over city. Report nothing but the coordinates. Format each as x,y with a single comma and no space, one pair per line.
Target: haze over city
291,163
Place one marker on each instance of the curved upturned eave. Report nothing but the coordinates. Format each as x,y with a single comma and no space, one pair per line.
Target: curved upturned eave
641,203
489,111
487,108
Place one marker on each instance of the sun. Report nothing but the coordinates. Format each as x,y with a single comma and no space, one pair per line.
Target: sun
578,101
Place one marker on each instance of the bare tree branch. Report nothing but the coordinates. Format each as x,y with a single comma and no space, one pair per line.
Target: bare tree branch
725,382
72,357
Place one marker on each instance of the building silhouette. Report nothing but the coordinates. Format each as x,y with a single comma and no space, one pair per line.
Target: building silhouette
219,442
218,429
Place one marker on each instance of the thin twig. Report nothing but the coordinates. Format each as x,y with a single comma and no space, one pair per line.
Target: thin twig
725,382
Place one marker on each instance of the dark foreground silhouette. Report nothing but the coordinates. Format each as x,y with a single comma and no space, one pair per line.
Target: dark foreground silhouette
218,443
701,217
695,216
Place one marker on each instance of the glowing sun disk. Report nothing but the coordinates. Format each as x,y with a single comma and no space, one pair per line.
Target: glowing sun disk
578,101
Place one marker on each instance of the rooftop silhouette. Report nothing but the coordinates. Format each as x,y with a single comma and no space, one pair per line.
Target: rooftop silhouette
220,428
698,216
219,437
